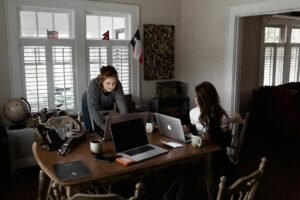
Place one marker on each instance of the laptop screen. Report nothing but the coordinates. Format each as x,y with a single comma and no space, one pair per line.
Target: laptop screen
111,119
128,135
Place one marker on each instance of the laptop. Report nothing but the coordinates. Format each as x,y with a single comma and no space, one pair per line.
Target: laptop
113,118
171,127
130,140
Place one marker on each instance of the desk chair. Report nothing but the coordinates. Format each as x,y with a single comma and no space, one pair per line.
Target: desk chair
238,126
243,188
112,196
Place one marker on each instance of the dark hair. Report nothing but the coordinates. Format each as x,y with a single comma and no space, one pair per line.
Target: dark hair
107,72
209,103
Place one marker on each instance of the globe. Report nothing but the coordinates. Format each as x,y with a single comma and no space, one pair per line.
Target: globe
16,110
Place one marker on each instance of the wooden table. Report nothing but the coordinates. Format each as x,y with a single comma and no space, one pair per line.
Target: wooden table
105,172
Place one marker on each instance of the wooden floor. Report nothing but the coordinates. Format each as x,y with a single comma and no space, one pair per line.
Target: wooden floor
281,180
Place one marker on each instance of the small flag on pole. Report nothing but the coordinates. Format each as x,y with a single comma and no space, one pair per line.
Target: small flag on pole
53,35
137,46
105,35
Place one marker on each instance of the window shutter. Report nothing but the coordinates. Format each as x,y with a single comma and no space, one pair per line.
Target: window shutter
97,58
63,76
294,65
120,59
279,65
36,77
273,65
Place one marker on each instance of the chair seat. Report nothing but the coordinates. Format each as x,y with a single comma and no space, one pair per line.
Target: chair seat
111,196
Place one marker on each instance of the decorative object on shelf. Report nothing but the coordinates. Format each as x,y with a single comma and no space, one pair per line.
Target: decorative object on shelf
159,46
17,111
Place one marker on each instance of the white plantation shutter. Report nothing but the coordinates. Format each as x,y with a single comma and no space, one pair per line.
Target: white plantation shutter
97,58
279,66
63,76
268,65
273,65
120,59
35,77
294,65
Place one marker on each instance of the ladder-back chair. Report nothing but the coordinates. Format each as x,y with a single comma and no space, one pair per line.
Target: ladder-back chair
243,188
238,127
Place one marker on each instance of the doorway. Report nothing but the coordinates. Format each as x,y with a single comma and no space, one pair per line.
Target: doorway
234,38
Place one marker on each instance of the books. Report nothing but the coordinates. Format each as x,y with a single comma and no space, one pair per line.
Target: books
71,170
124,161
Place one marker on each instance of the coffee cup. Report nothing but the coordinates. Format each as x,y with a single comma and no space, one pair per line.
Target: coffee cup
196,141
149,127
96,146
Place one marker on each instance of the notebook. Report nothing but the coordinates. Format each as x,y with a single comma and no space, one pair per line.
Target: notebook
130,140
171,127
71,170
110,119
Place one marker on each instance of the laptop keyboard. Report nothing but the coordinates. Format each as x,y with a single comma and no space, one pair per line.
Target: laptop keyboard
138,150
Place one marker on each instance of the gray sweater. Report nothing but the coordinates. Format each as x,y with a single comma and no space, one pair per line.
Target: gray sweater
98,101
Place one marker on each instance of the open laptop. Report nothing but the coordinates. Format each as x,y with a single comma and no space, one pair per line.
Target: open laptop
171,127
114,118
130,140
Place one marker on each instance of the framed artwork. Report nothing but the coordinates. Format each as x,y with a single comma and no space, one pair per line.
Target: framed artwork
159,47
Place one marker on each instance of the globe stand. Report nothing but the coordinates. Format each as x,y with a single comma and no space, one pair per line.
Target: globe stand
17,126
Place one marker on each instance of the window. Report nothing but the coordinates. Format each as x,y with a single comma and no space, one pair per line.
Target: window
34,23
281,51
98,24
114,51
48,68
53,72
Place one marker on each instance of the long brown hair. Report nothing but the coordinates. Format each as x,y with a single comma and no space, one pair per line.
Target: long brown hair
209,103
107,72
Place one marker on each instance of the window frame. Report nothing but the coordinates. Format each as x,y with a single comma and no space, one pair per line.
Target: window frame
79,8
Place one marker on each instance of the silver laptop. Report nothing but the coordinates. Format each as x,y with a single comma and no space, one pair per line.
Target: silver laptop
113,118
130,140
171,127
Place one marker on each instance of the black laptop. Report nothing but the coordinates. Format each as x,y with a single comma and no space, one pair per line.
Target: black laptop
130,140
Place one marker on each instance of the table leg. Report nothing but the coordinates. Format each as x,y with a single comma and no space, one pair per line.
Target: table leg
209,178
43,182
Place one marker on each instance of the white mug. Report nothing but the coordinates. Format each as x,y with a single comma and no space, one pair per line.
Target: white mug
149,127
196,141
96,146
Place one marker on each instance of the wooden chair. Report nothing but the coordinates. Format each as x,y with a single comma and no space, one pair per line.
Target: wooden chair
238,127
244,188
111,196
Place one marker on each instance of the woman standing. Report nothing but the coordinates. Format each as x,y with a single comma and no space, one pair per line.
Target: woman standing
103,91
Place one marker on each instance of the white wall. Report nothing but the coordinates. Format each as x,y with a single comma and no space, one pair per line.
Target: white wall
203,43
4,69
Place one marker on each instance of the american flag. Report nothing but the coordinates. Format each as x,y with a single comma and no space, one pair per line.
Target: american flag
53,35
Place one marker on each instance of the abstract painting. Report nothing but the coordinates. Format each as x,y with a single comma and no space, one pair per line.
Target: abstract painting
159,41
